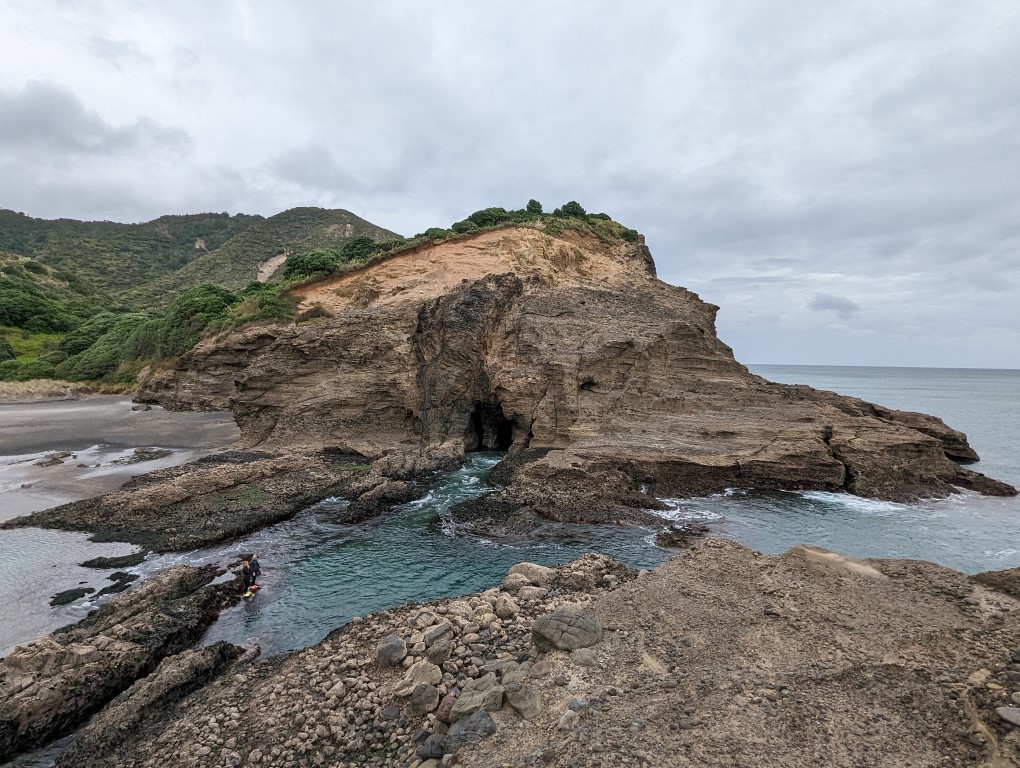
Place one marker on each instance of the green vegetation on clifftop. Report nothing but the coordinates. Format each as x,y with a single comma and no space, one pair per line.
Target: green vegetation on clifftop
97,301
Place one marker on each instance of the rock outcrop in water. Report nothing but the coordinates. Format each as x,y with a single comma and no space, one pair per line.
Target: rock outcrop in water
608,385
719,657
50,686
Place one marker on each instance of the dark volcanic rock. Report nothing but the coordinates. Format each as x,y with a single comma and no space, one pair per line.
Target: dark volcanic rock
70,595
124,561
213,499
49,686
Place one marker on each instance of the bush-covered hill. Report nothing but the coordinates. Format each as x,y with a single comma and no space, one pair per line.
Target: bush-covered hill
235,263
106,258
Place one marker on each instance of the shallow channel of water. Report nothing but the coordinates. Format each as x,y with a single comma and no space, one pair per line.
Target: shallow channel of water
318,573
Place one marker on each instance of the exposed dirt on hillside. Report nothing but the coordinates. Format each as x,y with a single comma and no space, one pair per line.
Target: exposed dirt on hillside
427,273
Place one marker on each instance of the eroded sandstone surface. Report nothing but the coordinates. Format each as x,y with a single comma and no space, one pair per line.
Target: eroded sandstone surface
719,657
609,386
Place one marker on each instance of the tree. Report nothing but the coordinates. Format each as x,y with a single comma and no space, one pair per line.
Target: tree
488,217
573,208
534,206
463,227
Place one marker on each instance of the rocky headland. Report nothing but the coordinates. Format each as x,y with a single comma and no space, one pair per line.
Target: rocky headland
608,386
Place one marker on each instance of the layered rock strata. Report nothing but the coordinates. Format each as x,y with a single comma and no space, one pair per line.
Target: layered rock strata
721,656
51,685
609,385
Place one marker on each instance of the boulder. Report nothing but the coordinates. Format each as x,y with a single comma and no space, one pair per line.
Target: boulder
391,651
567,628
527,593
470,730
421,672
481,693
524,699
437,633
539,575
440,652
514,582
506,608
424,699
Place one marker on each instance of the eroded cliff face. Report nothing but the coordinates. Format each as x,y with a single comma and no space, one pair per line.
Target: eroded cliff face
608,385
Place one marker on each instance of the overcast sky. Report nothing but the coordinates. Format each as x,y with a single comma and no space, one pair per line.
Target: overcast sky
842,179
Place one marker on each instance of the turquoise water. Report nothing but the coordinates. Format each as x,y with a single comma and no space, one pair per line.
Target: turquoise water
318,573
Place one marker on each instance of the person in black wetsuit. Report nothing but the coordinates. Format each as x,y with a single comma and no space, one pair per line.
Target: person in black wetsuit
247,577
256,569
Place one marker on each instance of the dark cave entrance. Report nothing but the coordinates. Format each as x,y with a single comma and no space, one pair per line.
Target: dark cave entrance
488,429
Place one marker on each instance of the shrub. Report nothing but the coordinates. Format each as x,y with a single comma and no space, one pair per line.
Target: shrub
88,333
143,342
188,316
106,355
534,206
488,217
34,313
463,227
630,235
319,262
9,370
262,301
602,216
357,248
6,350
36,369
435,233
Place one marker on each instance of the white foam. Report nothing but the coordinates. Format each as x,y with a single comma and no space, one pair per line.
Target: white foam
855,503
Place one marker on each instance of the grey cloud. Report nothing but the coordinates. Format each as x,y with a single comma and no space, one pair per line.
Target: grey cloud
47,117
842,306
120,53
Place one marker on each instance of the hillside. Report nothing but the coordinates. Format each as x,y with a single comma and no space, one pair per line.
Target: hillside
235,263
111,284
105,258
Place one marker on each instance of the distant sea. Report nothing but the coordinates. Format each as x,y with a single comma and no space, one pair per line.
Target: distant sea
966,531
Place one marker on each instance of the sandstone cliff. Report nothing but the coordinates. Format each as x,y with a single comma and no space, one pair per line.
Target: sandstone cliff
608,386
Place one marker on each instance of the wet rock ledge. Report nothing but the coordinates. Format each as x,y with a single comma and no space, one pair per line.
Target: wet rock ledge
719,657
222,497
50,686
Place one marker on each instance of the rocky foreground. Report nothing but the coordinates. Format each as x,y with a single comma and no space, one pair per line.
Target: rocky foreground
719,657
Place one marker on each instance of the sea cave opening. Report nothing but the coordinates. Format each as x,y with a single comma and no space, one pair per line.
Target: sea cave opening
488,429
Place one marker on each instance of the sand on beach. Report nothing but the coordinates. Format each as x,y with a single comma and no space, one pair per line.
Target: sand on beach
100,434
